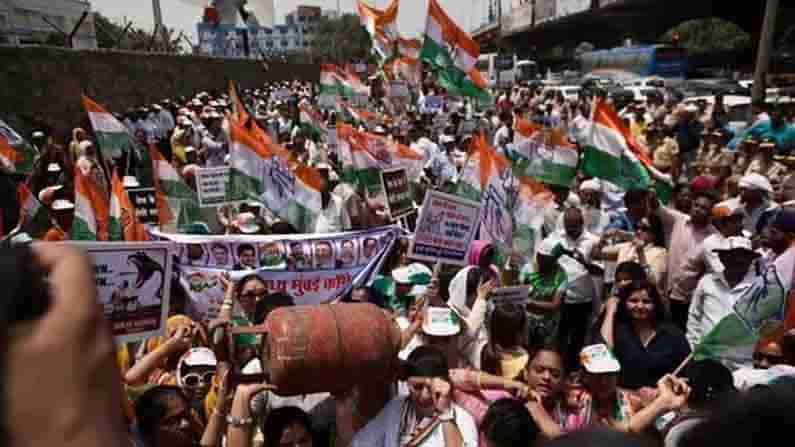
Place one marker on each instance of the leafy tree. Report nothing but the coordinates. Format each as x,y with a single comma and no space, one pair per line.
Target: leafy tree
136,39
709,35
341,40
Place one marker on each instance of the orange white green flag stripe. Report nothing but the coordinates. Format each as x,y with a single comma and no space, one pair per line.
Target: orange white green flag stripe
266,173
16,155
91,210
340,82
381,25
34,219
112,135
312,121
363,155
487,177
452,53
612,154
544,154
239,111
174,197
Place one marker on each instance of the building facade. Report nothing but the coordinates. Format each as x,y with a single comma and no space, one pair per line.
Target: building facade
35,21
295,34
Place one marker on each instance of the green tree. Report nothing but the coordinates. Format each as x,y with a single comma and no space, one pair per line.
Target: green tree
136,39
341,40
709,35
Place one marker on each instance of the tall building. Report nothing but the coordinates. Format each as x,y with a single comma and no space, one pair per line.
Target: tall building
297,33
26,21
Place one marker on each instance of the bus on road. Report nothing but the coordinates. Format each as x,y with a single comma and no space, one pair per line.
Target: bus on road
511,69
665,61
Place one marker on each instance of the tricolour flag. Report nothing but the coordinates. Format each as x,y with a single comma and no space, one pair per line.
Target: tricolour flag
239,111
364,116
759,311
312,121
409,48
16,154
487,177
174,197
363,155
34,219
266,172
341,82
91,210
112,135
381,25
543,154
452,53
612,154
123,222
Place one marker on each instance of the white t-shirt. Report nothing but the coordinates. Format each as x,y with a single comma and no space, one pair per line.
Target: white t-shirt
333,218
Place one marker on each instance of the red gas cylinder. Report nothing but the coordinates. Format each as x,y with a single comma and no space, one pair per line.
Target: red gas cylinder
329,348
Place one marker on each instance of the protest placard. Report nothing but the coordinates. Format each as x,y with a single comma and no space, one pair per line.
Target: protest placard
133,283
398,195
311,268
398,89
445,229
145,202
510,295
212,186
327,102
433,103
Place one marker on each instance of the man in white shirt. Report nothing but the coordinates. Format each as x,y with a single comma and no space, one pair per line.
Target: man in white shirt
503,135
581,288
717,292
333,216
214,144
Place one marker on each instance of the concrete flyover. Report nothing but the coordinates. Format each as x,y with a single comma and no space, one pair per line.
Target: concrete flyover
644,20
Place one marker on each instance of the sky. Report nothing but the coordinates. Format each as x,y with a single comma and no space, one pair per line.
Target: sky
185,14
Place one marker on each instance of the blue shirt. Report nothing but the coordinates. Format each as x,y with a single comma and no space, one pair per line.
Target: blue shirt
783,135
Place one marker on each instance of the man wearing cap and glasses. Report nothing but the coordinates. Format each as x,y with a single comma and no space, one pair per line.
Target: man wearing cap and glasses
755,202
703,259
717,292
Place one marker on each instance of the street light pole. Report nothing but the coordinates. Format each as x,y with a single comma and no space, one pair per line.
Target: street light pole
765,50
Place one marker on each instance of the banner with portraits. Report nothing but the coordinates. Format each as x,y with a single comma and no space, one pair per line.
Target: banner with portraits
310,268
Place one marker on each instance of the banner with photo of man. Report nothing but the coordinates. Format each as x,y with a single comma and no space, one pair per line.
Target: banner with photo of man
311,268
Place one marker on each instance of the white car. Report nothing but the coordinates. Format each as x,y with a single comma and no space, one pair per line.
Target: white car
641,92
570,92
650,82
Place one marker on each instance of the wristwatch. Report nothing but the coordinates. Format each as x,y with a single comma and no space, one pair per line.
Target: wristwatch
448,416
239,422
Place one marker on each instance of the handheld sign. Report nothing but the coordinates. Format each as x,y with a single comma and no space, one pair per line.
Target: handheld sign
398,196
211,186
433,103
145,202
133,285
398,89
510,295
445,229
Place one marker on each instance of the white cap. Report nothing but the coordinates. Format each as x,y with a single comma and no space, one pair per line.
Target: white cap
591,185
62,205
199,357
130,182
736,243
247,223
416,273
53,167
547,246
444,139
691,108
440,322
757,182
597,359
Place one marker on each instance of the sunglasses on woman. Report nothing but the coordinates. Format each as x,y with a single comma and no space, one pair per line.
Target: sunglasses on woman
196,380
